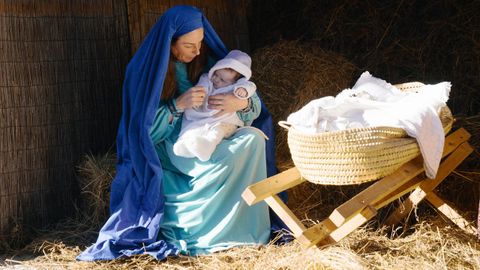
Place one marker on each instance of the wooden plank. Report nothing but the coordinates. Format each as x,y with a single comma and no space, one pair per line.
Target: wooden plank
399,192
454,160
316,233
450,213
272,185
384,187
326,232
444,170
352,224
446,167
286,215
377,191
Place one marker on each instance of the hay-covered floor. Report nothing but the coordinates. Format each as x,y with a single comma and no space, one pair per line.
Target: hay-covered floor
430,244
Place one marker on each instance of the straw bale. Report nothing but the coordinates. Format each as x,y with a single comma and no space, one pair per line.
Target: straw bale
289,74
96,176
61,69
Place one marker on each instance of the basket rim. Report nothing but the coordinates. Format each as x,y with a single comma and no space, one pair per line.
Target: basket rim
289,127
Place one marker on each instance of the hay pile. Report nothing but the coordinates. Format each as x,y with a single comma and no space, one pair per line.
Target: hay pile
289,74
96,175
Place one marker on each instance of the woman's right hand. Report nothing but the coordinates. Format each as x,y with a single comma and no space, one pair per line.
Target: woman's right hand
193,97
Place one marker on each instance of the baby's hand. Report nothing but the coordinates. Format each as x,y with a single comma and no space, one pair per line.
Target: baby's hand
241,92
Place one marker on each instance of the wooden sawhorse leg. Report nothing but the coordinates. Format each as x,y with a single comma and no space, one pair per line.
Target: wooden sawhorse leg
362,207
425,190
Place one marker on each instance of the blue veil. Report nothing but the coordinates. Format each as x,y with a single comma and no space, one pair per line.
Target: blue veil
136,203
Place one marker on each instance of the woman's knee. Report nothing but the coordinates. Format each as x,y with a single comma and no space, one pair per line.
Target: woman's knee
255,137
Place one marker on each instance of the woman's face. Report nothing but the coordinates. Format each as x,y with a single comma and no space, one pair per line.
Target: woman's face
187,46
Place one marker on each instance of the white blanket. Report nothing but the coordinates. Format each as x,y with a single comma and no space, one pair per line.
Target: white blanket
374,102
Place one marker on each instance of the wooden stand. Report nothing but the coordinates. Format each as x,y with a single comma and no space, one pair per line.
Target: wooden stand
363,206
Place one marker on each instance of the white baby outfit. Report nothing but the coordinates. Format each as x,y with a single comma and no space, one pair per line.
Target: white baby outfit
374,102
201,132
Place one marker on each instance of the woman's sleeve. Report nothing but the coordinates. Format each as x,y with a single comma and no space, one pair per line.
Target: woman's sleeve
163,123
252,111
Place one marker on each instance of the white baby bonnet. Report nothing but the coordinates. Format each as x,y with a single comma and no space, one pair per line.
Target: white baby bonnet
236,60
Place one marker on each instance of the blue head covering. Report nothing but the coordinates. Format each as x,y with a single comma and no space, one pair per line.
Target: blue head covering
136,202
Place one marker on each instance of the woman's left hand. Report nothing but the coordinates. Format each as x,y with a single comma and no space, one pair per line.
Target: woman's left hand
226,103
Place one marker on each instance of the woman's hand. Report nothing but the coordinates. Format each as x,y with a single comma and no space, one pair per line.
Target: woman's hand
226,103
193,97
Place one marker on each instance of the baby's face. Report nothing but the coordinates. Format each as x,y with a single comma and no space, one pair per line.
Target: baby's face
223,77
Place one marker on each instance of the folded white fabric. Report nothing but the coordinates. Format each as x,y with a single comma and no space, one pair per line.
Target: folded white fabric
374,102
202,141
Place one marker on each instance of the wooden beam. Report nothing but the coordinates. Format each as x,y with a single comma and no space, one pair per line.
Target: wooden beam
286,215
316,233
427,186
443,171
326,232
387,185
352,224
399,192
272,185
376,191
450,213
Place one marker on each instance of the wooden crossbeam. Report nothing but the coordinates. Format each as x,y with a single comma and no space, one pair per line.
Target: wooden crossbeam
326,232
389,184
446,167
272,185
429,185
348,227
285,214
450,213
376,191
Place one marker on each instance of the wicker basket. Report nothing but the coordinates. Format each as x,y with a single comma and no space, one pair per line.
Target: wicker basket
358,155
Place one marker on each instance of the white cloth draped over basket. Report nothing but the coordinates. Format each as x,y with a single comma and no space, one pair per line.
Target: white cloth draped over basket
361,134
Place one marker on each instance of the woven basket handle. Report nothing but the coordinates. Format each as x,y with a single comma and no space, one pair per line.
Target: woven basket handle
284,124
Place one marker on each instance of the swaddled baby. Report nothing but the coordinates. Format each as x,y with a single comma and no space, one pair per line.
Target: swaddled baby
201,130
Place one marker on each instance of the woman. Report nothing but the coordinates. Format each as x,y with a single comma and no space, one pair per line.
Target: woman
162,204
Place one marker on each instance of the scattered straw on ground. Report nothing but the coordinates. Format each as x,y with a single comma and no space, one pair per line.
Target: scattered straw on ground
432,245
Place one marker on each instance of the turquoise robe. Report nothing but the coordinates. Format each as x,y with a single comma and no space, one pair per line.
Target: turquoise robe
204,211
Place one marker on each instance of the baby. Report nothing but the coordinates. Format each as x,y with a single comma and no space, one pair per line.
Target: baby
201,130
